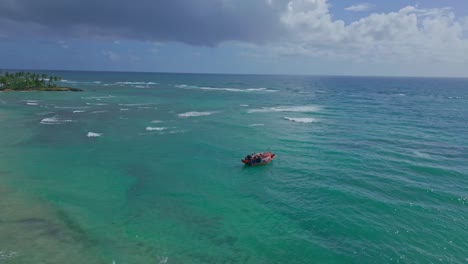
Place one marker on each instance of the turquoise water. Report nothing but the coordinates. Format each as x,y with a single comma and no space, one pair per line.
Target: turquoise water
145,168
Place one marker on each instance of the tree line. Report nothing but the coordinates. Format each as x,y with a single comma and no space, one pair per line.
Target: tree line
27,80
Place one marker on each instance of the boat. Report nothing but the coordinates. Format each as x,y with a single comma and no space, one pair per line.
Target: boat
257,159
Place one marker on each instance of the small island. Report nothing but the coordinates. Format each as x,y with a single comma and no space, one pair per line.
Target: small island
26,81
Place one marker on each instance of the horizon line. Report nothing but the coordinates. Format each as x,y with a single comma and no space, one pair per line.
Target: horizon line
263,74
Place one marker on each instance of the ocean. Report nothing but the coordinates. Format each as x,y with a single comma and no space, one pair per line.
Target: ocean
145,168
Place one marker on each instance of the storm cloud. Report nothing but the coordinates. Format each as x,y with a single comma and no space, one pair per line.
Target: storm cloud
412,35
201,22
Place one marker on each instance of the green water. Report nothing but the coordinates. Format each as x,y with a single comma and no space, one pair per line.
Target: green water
145,168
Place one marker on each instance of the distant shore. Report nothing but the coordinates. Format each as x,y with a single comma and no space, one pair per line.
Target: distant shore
27,81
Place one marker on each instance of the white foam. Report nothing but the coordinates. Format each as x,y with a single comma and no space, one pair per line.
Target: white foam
156,128
236,89
76,82
156,121
135,83
130,83
302,109
226,89
78,111
100,111
54,120
163,260
254,125
123,109
67,81
92,134
301,119
244,105
30,103
192,114
166,132
71,107
139,104
6,255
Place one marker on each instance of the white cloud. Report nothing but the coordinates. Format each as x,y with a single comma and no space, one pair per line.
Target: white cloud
465,26
310,20
359,7
408,35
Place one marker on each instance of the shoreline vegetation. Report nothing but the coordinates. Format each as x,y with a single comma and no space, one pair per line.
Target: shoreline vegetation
26,81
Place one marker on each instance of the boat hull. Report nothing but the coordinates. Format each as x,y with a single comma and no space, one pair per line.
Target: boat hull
267,157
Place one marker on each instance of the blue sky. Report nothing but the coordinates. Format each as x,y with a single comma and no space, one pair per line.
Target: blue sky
405,38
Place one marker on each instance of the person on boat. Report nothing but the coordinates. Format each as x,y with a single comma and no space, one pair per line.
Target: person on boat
258,159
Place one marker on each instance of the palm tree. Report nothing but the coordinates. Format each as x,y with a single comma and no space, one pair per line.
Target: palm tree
26,80
42,82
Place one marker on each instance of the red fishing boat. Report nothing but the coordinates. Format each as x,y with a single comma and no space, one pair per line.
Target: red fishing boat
257,159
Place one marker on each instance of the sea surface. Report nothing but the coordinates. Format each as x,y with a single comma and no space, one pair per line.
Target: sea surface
145,168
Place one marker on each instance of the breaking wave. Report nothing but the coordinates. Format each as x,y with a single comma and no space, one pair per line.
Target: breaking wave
301,119
155,128
302,109
54,120
92,134
71,107
135,83
98,97
139,104
226,89
78,82
192,114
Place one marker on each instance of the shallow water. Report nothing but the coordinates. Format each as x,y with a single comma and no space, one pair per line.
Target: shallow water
145,168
